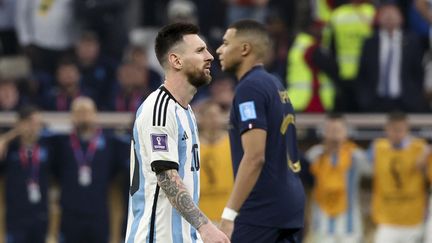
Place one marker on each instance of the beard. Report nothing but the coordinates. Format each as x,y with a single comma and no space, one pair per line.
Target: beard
198,77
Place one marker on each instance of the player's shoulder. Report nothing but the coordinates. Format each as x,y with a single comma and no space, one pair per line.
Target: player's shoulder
157,108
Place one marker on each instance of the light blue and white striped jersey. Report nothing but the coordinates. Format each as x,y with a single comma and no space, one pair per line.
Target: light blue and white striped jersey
349,222
165,135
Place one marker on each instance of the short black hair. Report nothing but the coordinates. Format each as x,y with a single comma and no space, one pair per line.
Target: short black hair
169,36
255,32
396,116
26,111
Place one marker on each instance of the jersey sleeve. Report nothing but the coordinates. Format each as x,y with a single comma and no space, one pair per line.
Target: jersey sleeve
250,108
162,140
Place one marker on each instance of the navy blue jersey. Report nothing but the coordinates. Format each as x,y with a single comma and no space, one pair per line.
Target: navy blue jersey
90,199
277,200
20,169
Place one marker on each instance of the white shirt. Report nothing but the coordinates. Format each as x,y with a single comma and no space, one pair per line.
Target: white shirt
47,24
164,133
388,41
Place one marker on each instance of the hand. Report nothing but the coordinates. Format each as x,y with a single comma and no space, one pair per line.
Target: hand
211,234
3,148
227,226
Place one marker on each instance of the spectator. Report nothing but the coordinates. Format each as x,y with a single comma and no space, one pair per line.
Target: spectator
108,20
67,89
85,163
344,40
391,74
399,193
138,56
309,70
8,38
428,228
27,169
247,9
97,71
222,93
336,165
129,94
46,30
216,171
182,11
10,99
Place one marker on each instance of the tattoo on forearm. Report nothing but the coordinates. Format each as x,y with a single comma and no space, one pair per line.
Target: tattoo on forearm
177,194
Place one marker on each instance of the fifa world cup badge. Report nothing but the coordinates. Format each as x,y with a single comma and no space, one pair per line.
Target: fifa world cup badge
84,175
33,192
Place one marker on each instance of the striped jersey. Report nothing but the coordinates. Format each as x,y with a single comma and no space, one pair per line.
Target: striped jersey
165,136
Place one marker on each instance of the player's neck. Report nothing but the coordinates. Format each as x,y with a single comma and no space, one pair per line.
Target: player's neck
181,89
86,133
28,140
246,66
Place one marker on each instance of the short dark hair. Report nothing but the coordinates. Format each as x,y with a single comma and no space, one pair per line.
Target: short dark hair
26,111
256,32
396,116
335,116
169,36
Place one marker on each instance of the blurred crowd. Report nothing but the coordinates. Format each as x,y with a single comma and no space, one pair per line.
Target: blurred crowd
85,56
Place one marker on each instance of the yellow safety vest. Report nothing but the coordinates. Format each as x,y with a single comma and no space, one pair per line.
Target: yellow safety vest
350,25
399,193
323,10
330,189
300,78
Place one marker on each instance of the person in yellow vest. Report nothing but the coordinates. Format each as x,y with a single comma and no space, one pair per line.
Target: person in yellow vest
398,192
349,25
322,9
308,70
216,169
336,165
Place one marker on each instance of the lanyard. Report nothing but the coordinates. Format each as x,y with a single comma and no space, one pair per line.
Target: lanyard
121,101
30,158
81,158
62,101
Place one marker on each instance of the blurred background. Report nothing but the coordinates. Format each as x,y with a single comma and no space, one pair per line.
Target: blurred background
357,72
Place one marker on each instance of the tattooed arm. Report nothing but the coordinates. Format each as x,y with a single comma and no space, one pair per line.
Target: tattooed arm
179,197
177,194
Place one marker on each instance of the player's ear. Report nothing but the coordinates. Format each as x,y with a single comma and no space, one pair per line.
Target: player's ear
246,48
174,61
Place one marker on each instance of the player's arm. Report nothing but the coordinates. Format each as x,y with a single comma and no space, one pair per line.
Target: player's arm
253,143
179,197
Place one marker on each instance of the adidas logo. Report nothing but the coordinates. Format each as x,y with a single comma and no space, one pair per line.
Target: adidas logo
185,136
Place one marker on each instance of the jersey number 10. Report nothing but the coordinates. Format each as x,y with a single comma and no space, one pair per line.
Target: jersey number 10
195,164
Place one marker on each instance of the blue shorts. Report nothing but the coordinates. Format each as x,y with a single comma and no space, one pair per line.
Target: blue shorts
244,233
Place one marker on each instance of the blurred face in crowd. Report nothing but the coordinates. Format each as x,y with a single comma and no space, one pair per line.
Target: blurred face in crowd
335,131
230,51
397,131
211,117
32,125
9,96
222,92
83,113
390,18
87,50
68,75
138,56
195,59
130,76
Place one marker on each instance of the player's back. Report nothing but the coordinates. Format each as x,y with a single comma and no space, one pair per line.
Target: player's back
164,135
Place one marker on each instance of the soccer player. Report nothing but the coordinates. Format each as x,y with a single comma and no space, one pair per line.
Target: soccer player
268,196
336,165
165,161
399,193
